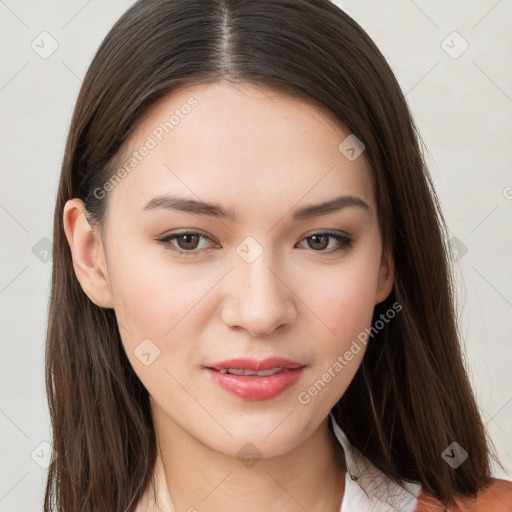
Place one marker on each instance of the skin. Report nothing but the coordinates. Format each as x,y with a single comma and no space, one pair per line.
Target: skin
298,299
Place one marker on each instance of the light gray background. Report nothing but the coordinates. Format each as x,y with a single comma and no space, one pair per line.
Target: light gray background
462,106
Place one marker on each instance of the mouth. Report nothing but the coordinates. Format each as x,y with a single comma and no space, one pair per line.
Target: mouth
261,373
255,380
252,365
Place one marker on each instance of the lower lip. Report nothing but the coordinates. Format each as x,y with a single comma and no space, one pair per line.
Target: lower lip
256,388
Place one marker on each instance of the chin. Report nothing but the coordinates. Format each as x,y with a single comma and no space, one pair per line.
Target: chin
267,435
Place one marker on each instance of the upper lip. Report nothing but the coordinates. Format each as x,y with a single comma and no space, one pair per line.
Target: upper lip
252,364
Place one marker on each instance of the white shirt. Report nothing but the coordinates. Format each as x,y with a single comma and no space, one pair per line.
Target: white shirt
366,488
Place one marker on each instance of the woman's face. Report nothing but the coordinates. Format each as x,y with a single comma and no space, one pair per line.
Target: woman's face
257,278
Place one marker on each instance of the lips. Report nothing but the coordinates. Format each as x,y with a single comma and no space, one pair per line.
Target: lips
261,373
255,380
255,366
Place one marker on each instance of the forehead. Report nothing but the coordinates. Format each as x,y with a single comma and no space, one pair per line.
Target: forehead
239,144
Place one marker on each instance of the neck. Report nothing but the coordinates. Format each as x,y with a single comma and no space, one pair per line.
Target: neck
310,477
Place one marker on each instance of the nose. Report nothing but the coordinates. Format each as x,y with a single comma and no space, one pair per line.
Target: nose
259,300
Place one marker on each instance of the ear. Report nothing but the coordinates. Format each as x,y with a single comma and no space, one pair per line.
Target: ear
87,253
386,276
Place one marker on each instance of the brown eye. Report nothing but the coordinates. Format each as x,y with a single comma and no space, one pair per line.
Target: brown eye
320,241
186,242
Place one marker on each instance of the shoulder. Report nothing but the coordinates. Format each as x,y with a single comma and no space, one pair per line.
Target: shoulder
495,497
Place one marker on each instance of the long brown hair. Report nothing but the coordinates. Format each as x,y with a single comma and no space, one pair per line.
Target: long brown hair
410,397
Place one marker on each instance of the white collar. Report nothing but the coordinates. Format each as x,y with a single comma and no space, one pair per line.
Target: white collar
367,489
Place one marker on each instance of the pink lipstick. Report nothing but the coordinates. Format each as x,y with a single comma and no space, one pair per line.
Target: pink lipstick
255,380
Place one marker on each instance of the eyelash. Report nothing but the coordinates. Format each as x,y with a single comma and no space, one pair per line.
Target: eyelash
346,242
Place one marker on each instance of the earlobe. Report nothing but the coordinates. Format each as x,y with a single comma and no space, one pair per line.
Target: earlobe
386,277
87,253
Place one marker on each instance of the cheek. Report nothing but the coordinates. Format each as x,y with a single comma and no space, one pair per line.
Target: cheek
161,313
342,297
148,293
344,302
159,300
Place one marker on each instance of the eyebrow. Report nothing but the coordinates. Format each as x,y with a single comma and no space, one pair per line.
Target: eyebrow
197,207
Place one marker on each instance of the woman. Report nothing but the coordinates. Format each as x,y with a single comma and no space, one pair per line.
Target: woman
251,297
